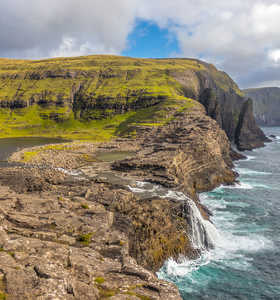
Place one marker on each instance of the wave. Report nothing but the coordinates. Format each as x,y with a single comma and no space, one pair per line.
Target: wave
144,187
244,171
230,249
184,266
222,243
244,186
237,185
250,157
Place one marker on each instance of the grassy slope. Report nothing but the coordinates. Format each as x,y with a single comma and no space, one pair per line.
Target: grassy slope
106,76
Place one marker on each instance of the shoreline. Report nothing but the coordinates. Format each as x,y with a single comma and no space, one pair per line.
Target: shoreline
101,199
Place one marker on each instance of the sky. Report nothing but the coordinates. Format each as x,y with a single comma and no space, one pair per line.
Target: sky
241,37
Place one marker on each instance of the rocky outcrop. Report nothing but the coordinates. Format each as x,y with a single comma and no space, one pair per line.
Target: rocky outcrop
225,105
266,103
248,134
87,234
91,107
191,152
69,238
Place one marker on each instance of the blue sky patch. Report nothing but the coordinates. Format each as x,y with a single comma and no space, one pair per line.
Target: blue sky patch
150,41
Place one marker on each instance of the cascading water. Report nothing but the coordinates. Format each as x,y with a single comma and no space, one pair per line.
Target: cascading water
202,233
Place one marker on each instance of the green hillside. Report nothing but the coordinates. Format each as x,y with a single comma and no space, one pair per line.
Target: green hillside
98,97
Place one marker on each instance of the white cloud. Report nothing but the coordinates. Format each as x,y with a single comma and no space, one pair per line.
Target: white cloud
241,37
238,36
274,55
266,17
65,27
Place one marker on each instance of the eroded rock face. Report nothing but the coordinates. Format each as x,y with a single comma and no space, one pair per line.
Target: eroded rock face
192,152
247,132
138,91
228,107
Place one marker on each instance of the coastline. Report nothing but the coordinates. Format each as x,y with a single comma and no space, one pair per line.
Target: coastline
89,208
95,214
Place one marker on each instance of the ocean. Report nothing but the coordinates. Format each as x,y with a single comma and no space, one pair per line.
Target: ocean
245,263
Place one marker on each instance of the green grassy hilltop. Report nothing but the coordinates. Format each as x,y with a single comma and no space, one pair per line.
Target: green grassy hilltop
98,97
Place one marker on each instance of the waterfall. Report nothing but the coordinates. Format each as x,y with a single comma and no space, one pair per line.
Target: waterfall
203,233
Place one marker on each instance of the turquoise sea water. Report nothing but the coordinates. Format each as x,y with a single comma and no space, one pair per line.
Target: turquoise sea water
245,263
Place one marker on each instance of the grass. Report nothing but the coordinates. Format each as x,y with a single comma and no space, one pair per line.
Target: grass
105,293
28,155
103,75
142,297
99,280
85,239
3,296
84,206
111,80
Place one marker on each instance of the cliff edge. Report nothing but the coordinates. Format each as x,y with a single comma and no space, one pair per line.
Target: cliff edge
102,97
83,224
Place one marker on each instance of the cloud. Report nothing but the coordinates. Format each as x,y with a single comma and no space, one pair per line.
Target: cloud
274,55
240,37
65,27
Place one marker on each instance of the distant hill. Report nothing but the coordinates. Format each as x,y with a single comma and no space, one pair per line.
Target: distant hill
266,105
100,97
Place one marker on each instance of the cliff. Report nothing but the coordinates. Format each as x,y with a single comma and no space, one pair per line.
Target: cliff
101,97
79,226
266,105
93,235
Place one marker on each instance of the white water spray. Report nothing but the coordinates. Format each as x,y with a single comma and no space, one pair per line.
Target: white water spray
204,234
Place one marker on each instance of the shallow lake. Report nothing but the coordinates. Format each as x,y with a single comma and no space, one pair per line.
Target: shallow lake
11,145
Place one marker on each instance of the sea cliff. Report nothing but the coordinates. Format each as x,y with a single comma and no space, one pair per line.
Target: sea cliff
101,97
75,226
266,102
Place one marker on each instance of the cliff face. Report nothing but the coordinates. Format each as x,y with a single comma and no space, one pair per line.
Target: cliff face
97,237
191,152
92,236
101,97
266,104
226,104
